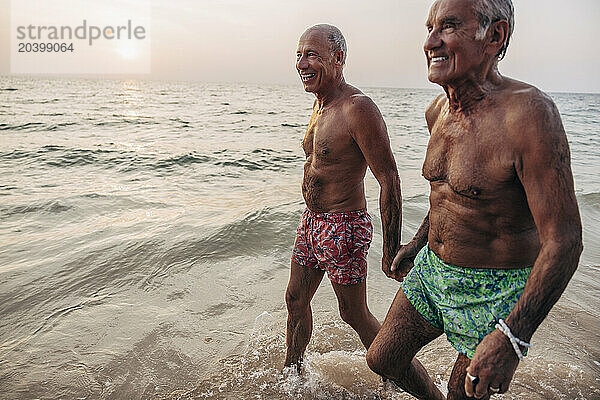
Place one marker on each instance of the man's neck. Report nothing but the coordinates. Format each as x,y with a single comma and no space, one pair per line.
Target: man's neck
465,93
326,97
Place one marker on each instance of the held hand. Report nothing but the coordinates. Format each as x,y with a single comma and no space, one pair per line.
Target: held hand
493,366
402,263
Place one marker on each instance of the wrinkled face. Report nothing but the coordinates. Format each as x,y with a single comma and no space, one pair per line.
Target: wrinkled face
314,61
451,49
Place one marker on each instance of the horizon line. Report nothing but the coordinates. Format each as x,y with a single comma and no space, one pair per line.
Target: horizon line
146,77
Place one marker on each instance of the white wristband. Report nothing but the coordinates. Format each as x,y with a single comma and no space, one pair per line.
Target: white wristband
515,341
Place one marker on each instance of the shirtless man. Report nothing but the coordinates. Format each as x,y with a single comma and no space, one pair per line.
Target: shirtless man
345,135
503,234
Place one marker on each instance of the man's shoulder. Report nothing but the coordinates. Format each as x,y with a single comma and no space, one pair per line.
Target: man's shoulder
522,98
354,99
360,113
531,117
527,106
356,104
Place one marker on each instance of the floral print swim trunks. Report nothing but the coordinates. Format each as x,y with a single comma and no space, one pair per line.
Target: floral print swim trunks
465,303
336,243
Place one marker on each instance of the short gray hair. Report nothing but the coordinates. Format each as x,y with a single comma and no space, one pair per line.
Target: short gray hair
490,11
335,38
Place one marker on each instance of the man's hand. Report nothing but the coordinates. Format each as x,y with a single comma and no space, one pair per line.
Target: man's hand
493,365
402,263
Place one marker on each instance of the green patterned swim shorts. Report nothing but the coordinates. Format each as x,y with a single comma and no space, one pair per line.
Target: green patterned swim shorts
465,303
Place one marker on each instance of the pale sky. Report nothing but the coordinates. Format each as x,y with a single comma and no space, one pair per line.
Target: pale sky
554,46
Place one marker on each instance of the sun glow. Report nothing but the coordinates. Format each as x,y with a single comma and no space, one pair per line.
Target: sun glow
128,50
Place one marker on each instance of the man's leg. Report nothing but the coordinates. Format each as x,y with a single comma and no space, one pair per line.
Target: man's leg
352,301
301,288
401,336
456,384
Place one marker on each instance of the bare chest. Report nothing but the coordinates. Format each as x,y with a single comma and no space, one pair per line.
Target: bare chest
474,159
327,139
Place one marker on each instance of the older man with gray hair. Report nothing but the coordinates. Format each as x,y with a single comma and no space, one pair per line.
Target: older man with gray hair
346,135
503,234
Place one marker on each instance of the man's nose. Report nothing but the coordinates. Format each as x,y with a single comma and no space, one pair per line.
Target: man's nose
301,62
432,41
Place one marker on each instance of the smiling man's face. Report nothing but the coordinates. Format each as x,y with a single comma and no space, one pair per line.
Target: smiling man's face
451,49
314,62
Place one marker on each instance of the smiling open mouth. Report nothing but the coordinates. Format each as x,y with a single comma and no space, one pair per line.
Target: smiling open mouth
438,59
307,77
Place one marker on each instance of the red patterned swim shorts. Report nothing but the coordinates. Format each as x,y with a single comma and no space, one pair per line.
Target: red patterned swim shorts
336,243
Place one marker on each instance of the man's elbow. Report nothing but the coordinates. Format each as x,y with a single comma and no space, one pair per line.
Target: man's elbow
573,246
573,250
389,181
574,243
567,248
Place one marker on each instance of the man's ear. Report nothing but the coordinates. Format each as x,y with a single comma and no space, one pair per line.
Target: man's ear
497,35
339,57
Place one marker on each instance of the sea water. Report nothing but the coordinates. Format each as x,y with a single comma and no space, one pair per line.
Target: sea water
145,238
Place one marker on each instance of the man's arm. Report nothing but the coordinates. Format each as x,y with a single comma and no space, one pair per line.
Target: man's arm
403,262
544,169
370,133
545,172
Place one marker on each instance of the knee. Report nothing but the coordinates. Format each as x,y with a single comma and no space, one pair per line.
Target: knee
384,361
375,361
354,316
296,305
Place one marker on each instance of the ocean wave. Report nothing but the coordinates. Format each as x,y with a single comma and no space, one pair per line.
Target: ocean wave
288,125
86,204
6,188
263,159
243,163
255,160
146,260
181,121
262,231
55,127
75,157
116,266
45,207
126,121
16,155
20,127
128,161
183,160
44,101
36,126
